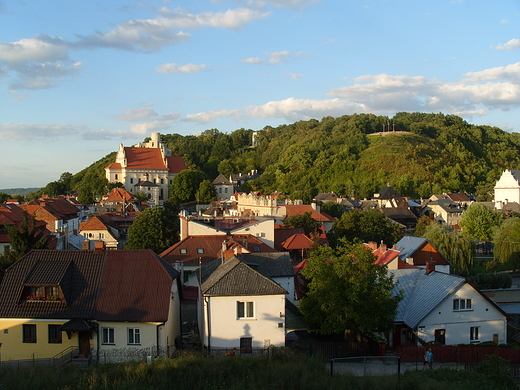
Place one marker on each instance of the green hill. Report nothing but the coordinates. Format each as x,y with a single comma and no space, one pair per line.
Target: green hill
422,155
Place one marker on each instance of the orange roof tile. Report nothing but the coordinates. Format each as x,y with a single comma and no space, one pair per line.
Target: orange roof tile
175,164
305,208
297,241
144,158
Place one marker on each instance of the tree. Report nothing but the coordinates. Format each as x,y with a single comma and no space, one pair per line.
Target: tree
506,242
185,184
422,224
369,225
460,251
304,221
478,221
346,290
206,192
22,240
156,228
333,209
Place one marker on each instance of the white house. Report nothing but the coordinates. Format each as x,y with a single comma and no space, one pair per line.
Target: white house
240,309
444,308
507,188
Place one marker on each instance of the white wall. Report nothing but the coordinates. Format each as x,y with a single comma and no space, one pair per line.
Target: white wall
226,330
263,230
287,282
457,323
507,188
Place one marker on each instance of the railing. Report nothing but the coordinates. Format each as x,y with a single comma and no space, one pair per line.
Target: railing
65,355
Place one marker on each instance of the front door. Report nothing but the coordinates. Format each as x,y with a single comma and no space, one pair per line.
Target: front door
84,343
246,345
440,336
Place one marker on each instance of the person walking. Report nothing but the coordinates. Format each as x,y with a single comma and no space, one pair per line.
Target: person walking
428,359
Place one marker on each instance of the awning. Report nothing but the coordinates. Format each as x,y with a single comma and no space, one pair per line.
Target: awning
78,326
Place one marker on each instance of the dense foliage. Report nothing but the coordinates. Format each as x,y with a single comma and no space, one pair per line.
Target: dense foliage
479,221
346,290
155,228
427,154
235,373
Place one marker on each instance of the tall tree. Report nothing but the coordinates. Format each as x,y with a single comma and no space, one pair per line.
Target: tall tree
185,184
21,240
156,228
368,225
478,222
507,242
460,251
304,221
346,290
206,192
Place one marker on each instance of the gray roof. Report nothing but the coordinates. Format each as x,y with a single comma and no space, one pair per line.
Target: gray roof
234,277
408,245
422,292
270,264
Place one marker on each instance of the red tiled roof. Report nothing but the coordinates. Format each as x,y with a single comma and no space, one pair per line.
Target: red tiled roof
175,164
114,166
208,248
297,241
305,208
144,158
281,234
118,195
94,223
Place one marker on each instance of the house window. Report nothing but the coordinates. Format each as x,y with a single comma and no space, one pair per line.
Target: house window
256,248
183,251
462,304
225,190
473,334
200,250
117,177
245,310
220,190
54,334
131,180
29,333
162,181
134,336
107,336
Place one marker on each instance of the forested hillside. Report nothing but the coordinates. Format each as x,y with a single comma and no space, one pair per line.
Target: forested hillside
419,154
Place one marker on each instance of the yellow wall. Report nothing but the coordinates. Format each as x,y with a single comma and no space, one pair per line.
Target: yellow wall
13,347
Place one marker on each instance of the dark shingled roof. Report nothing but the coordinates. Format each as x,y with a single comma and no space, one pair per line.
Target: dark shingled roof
270,264
236,278
126,285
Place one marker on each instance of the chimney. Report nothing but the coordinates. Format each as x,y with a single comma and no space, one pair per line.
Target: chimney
99,246
372,245
430,267
382,248
394,247
85,245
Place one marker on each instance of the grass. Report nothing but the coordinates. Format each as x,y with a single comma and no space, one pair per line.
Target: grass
284,370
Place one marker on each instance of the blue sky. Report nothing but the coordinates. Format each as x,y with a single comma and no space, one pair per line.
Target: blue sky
78,78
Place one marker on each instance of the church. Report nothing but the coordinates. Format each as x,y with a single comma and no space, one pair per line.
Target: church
147,167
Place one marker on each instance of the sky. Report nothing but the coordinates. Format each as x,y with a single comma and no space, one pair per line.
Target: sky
78,78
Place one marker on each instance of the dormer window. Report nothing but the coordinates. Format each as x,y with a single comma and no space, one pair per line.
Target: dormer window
41,293
183,251
200,250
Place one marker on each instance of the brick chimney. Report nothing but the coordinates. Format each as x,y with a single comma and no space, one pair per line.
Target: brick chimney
85,245
430,267
372,245
382,248
99,246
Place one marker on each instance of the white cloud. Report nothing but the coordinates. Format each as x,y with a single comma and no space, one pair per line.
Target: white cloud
36,63
144,120
295,4
252,60
42,48
22,131
137,114
174,68
150,35
509,45
296,76
383,94
278,56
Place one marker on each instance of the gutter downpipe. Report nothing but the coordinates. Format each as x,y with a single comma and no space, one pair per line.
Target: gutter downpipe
206,301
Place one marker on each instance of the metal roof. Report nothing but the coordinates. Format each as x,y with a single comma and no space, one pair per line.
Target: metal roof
422,292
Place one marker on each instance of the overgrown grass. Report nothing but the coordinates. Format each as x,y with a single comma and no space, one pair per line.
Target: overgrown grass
234,373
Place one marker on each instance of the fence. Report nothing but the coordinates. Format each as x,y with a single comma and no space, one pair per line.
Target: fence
458,354
331,350
366,365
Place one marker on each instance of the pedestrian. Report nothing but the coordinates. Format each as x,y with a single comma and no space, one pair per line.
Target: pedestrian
429,358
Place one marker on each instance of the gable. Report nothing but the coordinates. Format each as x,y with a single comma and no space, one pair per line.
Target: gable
235,278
